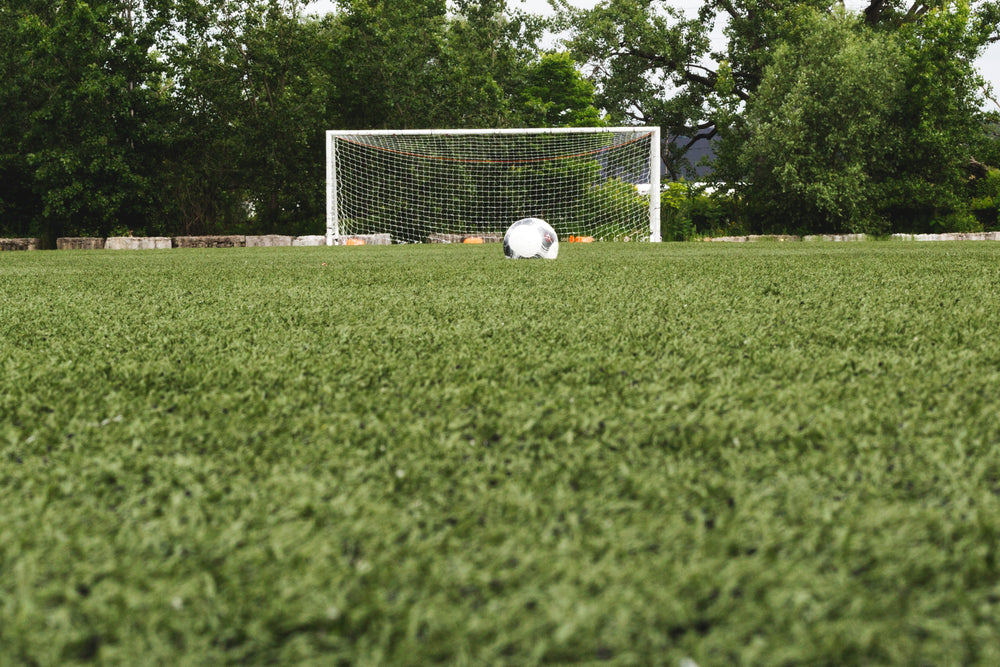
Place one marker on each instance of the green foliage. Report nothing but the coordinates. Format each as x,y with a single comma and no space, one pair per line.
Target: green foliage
652,64
555,94
635,50
434,455
687,211
248,152
810,159
984,201
854,130
615,208
488,48
383,50
715,214
79,136
414,65
170,116
675,219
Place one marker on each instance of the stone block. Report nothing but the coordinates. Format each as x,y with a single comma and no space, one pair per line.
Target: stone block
781,238
438,237
490,237
234,241
268,241
366,239
309,240
19,244
138,243
80,243
728,239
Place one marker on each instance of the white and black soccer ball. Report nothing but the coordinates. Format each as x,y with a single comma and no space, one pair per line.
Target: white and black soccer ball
530,238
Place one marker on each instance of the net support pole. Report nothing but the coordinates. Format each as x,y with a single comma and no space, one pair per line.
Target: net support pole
654,187
332,217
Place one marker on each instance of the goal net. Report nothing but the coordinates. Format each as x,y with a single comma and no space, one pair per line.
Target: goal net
418,186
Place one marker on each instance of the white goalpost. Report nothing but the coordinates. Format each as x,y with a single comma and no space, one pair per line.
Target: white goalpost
450,186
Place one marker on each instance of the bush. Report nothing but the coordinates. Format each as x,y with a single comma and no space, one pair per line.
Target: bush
715,214
675,218
816,163
984,204
687,212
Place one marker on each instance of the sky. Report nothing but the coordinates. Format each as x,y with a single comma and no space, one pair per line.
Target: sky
988,63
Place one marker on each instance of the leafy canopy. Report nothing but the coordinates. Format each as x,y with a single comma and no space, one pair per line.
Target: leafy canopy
655,65
863,130
173,116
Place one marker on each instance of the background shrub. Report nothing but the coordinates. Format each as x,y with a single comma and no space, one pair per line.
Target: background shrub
984,202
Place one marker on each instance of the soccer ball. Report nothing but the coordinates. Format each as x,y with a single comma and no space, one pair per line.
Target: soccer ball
529,238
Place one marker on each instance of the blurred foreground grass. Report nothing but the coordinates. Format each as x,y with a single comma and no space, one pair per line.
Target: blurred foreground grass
740,454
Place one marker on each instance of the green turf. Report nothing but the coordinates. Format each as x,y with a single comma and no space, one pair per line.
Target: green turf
766,454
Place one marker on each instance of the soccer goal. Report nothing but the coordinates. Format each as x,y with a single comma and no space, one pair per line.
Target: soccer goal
418,186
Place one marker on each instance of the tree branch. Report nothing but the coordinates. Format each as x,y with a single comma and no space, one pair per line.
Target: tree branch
873,11
730,9
916,10
708,79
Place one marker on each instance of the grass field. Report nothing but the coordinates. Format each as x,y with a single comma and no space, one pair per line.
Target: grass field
766,454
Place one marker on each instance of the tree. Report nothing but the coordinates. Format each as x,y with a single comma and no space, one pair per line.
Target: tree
555,94
252,79
863,130
818,137
417,65
180,116
653,65
937,124
487,50
386,54
81,101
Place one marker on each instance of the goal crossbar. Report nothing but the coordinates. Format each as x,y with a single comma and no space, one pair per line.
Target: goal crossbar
375,177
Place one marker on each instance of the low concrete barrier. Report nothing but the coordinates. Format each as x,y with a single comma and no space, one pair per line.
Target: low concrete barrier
138,243
209,241
309,240
274,240
366,239
268,241
20,244
80,243
437,237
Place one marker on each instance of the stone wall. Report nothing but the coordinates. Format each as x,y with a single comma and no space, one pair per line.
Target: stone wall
953,236
950,236
138,243
366,239
268,241
80,243
319,239
165,242
20,244
209,241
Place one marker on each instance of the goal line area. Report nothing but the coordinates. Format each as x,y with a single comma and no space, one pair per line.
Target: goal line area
420,186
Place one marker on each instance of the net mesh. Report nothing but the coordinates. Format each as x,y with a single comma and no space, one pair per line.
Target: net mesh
419,188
